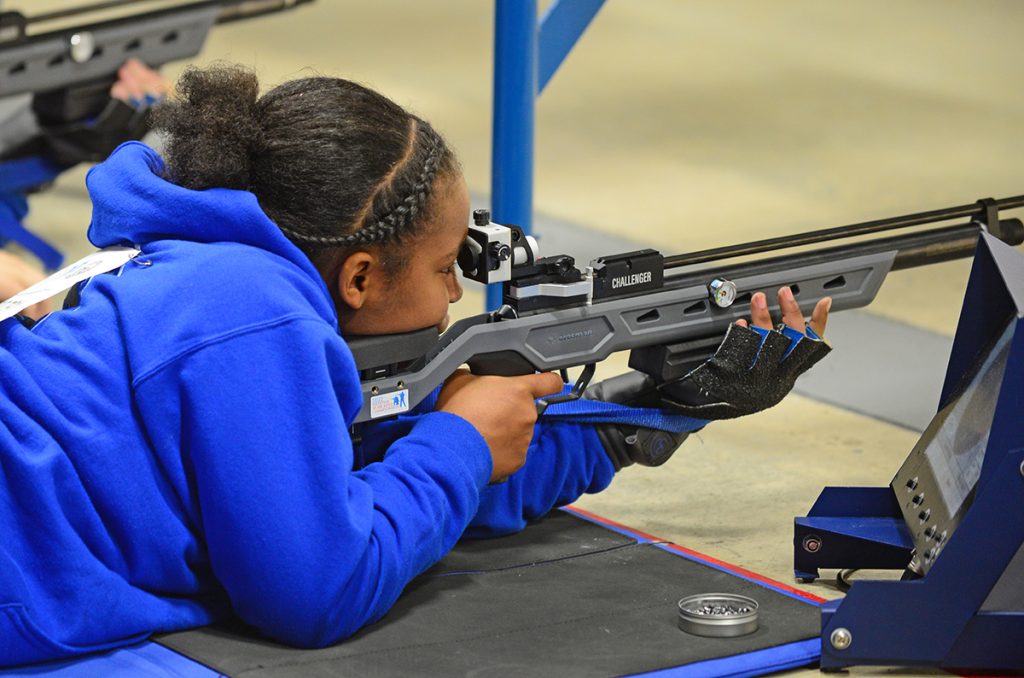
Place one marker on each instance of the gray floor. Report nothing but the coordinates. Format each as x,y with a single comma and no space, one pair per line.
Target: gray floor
892,371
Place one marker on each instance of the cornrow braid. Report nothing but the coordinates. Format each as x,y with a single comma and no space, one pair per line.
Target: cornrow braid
395,221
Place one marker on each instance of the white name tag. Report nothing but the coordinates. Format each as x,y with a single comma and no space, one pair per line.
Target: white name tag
94,264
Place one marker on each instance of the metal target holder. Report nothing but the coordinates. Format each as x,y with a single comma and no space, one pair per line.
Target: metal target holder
967,612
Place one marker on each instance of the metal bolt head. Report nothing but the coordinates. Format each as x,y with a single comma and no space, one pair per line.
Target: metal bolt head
841,638
812,543
501,252
722,292
81,47
1022,468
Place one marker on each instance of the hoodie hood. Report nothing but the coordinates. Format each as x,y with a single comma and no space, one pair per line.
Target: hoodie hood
133,204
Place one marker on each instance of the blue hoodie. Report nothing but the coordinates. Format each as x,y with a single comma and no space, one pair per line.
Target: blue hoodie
175,449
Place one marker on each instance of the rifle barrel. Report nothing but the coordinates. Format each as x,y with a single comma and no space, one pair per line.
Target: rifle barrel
912,249
976,211
947,244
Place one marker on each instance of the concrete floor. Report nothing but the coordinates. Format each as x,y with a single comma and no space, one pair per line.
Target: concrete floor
686,125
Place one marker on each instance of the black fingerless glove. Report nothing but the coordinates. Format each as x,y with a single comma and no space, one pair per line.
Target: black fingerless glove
751,371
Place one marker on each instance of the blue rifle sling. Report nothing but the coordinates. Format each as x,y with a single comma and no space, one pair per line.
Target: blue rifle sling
585,411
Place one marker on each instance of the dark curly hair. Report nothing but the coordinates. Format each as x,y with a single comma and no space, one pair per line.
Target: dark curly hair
335,165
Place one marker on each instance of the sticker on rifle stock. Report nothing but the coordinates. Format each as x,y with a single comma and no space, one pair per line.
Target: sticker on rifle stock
387,404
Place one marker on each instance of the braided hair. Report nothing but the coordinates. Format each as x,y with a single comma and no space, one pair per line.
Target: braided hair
334,164
387,222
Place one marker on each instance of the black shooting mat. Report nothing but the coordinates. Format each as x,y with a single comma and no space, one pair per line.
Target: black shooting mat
565,597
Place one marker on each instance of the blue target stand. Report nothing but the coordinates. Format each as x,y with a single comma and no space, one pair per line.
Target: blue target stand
966,613
527,53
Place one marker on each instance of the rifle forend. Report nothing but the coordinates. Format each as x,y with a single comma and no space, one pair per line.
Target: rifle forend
88,55
671,313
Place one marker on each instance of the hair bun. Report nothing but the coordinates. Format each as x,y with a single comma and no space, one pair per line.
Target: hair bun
212,127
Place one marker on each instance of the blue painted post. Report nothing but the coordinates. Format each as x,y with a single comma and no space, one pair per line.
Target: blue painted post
560,28
526,56
515,87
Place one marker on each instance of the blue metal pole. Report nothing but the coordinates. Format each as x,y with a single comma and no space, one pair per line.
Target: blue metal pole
560,28
515,88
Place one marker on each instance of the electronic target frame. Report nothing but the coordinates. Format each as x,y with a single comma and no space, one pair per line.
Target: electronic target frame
953,517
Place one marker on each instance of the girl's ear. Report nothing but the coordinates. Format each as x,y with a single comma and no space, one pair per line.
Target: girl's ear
360,274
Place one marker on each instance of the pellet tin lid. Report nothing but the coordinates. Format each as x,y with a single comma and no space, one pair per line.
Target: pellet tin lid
718,615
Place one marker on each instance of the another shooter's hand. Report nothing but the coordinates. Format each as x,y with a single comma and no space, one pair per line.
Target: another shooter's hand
138,85
117,119
16,275
502,409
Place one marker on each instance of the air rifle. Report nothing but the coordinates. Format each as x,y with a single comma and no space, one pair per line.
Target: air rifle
670,312
70,70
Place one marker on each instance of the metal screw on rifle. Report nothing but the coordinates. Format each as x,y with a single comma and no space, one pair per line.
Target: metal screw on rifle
481,217
812,543
841,639
722,292
82,47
